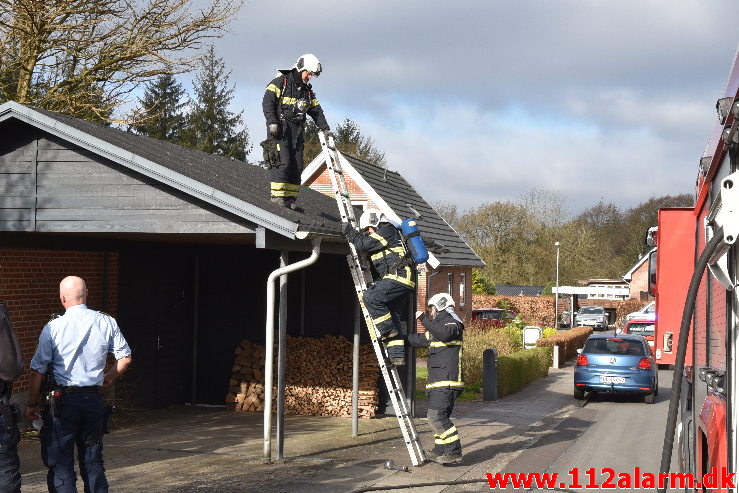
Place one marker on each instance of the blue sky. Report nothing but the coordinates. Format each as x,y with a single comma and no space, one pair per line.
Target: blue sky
479,101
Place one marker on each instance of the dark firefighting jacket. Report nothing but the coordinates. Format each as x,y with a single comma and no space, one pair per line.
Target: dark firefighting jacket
386,252
288,98
443,337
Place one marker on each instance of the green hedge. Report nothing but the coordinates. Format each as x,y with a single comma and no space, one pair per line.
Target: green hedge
518,369
569,342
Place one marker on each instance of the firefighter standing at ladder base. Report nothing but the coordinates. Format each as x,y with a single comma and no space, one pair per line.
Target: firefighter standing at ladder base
287,99
443,337
386,298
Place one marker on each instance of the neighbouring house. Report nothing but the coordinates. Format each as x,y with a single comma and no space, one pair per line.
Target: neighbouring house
449,270
176,243
638,279
517,290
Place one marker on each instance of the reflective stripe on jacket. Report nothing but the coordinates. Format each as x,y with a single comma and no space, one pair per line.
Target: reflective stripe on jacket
289,86
444,338
385,250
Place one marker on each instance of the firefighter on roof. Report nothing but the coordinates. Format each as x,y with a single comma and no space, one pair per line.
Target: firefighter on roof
287,100
443,337
386,298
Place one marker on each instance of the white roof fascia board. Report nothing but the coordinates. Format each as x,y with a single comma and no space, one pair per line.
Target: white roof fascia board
320,160
627,277
314,166
148,168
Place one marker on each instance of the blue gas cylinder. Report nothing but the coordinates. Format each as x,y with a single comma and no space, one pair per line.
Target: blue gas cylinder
414,241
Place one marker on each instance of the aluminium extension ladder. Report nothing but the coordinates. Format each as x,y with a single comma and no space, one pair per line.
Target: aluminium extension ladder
358,266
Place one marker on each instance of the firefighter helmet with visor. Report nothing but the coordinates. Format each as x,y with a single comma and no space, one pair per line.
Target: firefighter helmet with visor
371,218
441,301
310,63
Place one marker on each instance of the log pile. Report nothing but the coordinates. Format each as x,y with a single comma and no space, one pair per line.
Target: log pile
318,378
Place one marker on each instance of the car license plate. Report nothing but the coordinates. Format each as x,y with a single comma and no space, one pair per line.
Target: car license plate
604,379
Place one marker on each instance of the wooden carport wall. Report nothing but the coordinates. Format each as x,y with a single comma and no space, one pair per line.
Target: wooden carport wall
268,223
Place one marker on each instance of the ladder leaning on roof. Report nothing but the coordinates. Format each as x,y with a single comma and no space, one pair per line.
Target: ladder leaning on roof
358,266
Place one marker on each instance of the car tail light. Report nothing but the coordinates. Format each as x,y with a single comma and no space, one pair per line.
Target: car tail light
645,364
582,360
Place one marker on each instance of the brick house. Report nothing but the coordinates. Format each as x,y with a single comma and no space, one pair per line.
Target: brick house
175,243
449,269
638,279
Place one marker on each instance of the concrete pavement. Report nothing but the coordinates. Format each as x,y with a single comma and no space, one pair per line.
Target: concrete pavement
187,449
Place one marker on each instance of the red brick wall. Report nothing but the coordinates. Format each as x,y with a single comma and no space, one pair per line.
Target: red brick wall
29,285
639,281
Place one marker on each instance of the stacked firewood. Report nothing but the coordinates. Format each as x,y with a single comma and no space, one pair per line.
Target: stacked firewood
318,378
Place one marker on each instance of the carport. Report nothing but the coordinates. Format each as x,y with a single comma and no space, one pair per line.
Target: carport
176,243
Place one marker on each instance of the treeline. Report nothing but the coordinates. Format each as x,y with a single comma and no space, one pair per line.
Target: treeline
517,239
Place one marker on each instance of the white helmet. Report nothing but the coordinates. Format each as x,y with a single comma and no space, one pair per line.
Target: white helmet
371,217
310,63
441,301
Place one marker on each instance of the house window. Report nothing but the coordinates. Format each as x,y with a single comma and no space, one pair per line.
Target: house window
359,207
462,288
450,283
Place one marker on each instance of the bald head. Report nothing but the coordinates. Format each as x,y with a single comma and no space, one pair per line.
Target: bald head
72,291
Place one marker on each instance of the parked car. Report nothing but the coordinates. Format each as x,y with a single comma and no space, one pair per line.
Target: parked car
643,328
592,316
498,314
647,312
621,364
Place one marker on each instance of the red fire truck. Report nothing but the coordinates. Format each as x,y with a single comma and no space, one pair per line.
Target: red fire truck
696,266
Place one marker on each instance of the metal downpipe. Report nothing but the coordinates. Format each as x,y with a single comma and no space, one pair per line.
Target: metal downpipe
269,338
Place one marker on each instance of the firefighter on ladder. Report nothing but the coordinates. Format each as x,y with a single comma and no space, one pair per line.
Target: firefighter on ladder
386,298
287,100
443,338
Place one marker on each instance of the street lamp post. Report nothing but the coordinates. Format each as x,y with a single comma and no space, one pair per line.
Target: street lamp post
556,298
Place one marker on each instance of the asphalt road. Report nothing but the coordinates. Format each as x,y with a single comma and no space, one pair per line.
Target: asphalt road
613,435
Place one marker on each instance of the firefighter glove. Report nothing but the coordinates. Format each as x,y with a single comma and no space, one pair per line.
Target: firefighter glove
349,230
273,129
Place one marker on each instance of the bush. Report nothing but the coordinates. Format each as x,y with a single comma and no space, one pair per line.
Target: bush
478,337
518,369
569,342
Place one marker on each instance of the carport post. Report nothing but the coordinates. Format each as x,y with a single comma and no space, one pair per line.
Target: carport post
269,341
355,370
281,358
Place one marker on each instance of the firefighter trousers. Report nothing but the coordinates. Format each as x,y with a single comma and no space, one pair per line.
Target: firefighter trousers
446,436
385,302
285,177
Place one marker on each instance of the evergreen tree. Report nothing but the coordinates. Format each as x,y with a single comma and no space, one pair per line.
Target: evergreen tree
349,140
160,113
211,126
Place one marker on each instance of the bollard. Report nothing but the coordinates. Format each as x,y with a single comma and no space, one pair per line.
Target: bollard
490,375
555,357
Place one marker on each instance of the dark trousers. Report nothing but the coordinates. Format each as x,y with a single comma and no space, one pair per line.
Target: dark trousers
285,178
385,301
79,425
10,466
446,436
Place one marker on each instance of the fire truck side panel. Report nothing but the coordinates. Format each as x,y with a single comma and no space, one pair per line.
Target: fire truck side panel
675,252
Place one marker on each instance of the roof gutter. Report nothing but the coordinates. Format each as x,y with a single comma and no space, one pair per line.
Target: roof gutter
269,337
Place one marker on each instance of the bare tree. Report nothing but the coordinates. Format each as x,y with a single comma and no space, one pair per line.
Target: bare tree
82,57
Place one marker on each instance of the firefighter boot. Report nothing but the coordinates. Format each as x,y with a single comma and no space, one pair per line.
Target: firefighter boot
448,459
396,351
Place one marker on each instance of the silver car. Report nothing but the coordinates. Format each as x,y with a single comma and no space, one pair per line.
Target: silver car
592,316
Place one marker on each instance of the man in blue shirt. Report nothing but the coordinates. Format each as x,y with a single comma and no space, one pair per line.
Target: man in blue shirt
76,345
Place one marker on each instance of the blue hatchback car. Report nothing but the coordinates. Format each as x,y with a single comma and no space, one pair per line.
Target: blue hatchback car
621,364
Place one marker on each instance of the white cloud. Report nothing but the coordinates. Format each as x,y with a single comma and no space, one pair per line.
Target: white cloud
476,100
